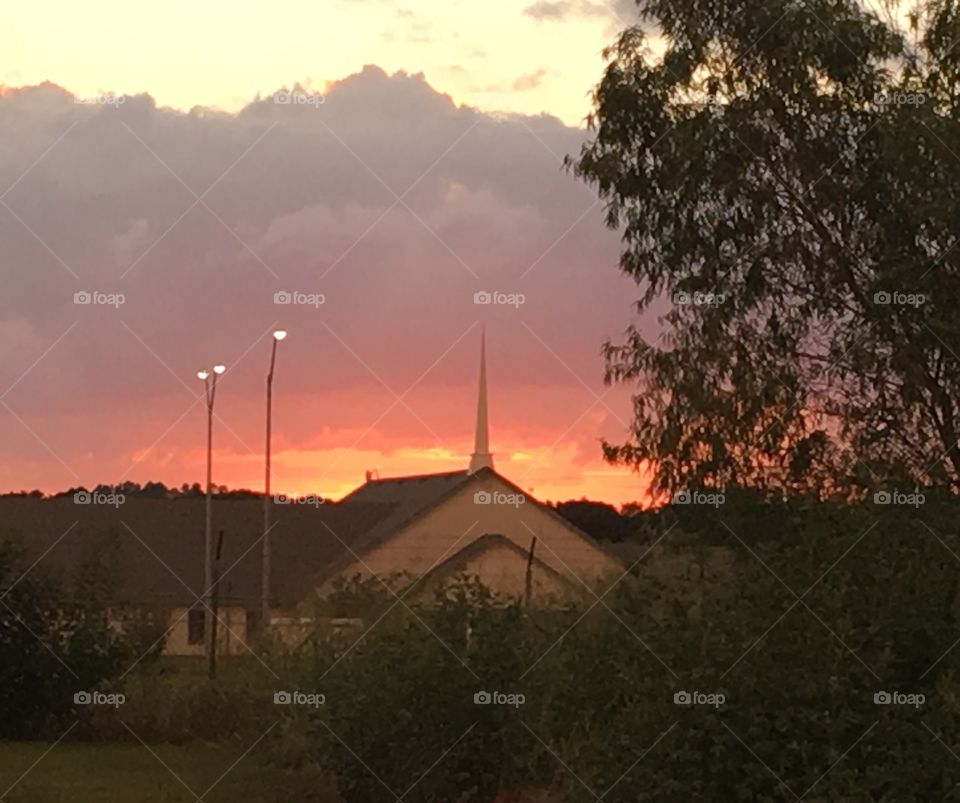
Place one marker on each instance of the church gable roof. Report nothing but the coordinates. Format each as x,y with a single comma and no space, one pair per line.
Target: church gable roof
404,500
399,500
460,559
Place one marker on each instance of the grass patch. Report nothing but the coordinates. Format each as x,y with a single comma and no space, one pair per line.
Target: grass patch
108,773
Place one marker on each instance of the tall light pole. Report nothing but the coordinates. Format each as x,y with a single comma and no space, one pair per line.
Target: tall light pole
210,391
278,335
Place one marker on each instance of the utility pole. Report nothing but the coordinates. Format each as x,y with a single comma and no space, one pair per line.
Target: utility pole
278,335
210,391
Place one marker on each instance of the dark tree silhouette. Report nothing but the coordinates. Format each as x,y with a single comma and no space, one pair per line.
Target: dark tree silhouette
786,179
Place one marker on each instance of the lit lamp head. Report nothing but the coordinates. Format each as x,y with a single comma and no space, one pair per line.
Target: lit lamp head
203,374
280,334
219,369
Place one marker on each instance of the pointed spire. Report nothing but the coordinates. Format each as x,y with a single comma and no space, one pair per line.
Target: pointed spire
481,457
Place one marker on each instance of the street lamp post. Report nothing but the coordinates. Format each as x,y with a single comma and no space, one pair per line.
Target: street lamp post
210,391
278,335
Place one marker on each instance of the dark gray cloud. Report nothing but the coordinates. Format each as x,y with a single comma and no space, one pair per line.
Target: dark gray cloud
550,9
198,219
622,12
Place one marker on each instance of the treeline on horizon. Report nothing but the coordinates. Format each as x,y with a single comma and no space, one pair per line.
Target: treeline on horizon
149,490
602,521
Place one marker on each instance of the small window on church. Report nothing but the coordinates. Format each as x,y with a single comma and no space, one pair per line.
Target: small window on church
195,626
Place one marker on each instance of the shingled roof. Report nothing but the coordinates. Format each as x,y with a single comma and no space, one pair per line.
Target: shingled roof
403,498
399,500
158,543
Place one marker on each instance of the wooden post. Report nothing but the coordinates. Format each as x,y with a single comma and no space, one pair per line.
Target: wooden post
215,606
528,585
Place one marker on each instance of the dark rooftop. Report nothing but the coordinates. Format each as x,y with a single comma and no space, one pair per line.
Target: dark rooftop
158,543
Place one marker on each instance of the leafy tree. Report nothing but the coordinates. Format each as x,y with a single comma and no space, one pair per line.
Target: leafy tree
155,490
786,179
598,519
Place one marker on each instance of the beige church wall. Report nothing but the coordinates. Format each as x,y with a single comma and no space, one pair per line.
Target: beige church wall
505,572
446,529
229,641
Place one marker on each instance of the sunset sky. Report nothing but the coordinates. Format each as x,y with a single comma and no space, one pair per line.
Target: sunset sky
429,172
514,55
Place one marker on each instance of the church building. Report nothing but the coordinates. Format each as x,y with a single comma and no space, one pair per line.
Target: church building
425,530
474,522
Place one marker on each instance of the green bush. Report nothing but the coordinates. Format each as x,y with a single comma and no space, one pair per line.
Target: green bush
876,613
178,709
59,636
814,611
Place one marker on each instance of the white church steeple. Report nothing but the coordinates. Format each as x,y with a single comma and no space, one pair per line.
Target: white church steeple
481,457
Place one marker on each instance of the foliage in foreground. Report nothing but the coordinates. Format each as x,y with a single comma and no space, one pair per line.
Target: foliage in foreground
814,611
59,636
810,626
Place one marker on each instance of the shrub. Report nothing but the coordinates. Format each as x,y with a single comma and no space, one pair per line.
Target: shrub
876,611
57,637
